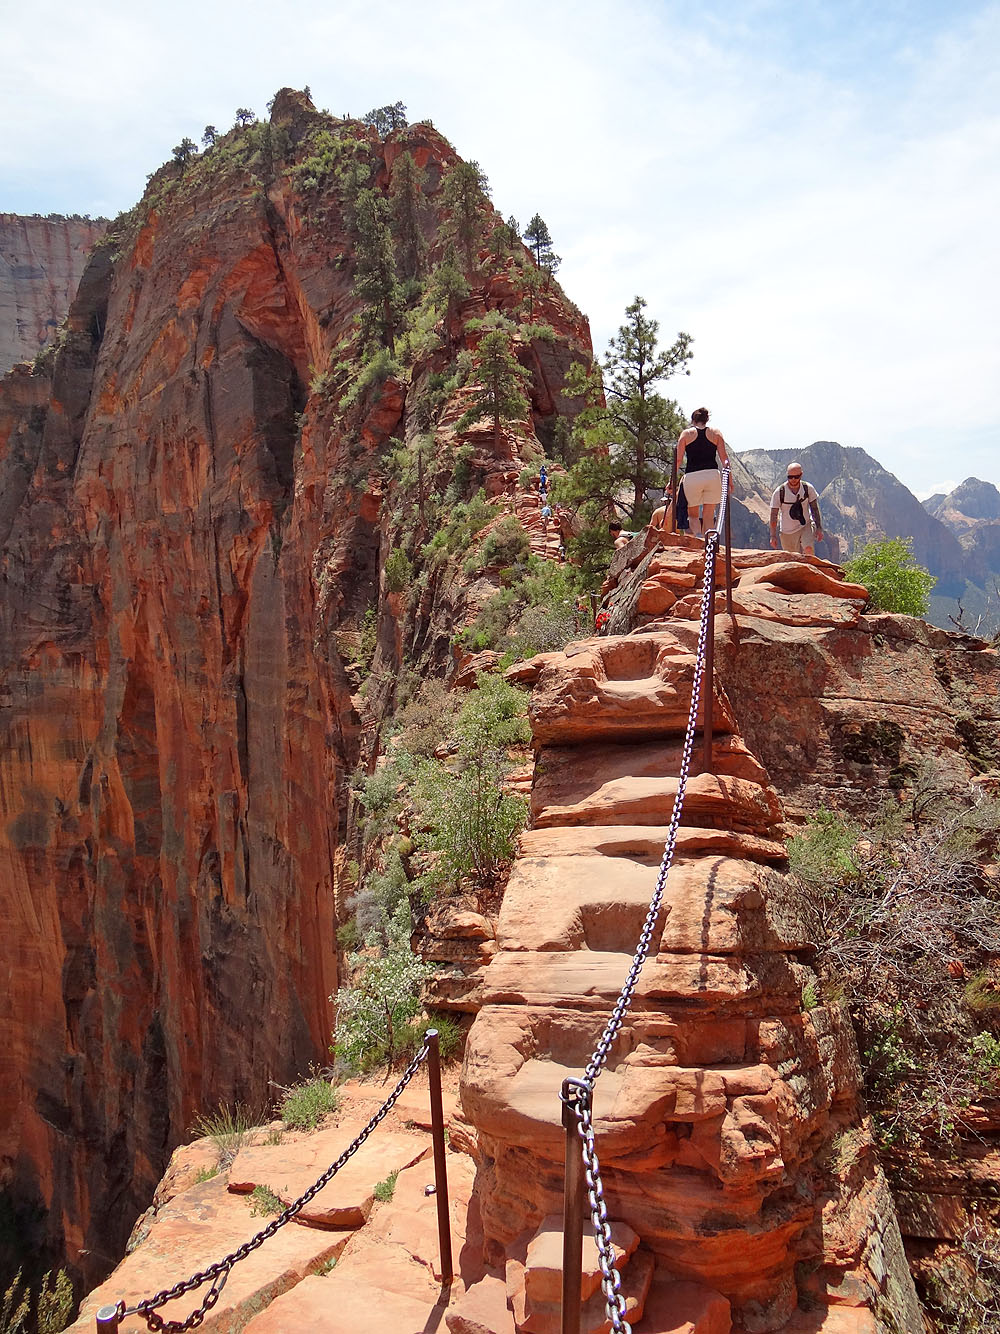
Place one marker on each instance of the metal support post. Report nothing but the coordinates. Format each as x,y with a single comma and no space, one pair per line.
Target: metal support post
107,1320
729,560
708,685
440,1166
572,1281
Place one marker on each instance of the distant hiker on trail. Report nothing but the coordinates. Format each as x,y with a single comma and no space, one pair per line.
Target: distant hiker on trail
546,513
543,478
704,449
787,502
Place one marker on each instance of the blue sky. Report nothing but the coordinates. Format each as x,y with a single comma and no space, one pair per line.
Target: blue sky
809,189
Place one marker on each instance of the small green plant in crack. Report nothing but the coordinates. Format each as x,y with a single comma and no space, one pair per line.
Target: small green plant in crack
229,1127
305,1105
264,1203
385,1190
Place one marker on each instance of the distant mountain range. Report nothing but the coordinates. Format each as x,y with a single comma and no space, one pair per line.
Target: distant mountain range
956,537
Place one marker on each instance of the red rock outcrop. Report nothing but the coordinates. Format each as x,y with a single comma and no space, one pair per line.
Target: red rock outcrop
189,524
722,1099
41,263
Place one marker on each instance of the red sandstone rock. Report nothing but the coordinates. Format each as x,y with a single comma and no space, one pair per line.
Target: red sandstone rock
346,1201
194,1230
684,1308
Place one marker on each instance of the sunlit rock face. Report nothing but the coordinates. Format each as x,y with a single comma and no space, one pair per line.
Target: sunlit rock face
191,530
731,1079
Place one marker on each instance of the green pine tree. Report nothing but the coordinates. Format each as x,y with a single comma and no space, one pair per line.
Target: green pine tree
466,194
627,429
500,377
375,281
407,205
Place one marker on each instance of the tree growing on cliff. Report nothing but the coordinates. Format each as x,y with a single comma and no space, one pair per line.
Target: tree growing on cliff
500,379
184,151
375,280
470,820
466,193
408,206
626,431
375,1015
209,136
244,117
894,580
385,120
539,240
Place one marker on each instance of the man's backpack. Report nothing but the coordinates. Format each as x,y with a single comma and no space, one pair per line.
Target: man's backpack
796,504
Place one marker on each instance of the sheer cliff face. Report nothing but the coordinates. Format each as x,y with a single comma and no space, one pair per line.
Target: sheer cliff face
183,526
41,262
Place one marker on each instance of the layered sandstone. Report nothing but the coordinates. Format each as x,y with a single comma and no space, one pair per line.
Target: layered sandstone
191,533
41,263
732,1081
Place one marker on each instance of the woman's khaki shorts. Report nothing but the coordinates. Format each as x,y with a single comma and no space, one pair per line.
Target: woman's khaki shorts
704,487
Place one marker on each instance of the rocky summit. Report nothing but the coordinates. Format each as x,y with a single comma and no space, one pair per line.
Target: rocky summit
238,530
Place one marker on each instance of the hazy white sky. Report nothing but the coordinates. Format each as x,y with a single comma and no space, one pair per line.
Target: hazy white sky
810,189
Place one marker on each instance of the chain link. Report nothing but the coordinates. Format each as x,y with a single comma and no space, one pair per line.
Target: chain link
219,1271
581,1105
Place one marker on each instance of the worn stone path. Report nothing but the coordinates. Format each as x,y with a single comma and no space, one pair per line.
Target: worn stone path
724,1085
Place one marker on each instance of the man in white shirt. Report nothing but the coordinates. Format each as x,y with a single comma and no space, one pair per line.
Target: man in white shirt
789,501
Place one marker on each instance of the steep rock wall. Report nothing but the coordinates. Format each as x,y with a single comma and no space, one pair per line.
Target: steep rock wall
41,263
189,523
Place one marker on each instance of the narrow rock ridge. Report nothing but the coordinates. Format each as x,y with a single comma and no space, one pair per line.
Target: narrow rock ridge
726,1098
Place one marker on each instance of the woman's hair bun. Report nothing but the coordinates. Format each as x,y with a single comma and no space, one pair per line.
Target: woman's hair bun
700,415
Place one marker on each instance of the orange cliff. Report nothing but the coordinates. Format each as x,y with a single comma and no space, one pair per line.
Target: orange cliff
740,1175
188,527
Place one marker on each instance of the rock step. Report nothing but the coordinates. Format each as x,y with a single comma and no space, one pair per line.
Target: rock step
711,800
388,1276
538,1316
567,902
684,1308
645,843
832,1320
563,772
289,1169
591,980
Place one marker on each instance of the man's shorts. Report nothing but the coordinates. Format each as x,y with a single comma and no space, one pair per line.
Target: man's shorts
703,487
799,540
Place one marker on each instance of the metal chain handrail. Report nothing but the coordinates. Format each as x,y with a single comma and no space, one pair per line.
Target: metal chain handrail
583,1089
219,1271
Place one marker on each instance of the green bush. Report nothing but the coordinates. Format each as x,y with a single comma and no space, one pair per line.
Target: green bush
824,850
304,1106
376,1014
470,821
385,1190
398,571
451,1034
47,1313
264,1203
229,1128
894,580
899,911
507,544
375,370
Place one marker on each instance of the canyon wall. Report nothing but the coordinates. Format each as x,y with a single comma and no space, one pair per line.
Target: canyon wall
41,263
190,537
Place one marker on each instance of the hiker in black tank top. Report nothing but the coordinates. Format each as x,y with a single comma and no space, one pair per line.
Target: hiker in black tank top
703,449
